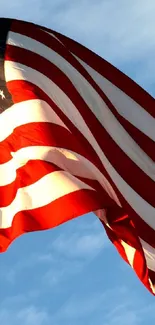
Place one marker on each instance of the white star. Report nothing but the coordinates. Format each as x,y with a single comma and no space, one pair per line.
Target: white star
2,94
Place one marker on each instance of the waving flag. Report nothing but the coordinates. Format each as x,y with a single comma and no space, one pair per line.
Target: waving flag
76,135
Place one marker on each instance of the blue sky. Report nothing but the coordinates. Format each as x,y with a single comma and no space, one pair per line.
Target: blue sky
72,274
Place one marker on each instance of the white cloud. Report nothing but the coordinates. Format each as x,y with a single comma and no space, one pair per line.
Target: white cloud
29,315
78,308
71,252
114,306
21,265
68,254
19,309
76,245
61,271
82,240
123,314
18,300
104,308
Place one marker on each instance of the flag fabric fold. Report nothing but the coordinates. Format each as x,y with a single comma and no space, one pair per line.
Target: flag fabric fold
76,136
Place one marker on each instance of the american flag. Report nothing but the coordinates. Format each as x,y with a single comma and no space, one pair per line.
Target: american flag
76,136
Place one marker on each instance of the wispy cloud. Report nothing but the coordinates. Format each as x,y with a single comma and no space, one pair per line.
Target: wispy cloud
80,245
67,254
74,249
112,307
29,315
20,309
116,305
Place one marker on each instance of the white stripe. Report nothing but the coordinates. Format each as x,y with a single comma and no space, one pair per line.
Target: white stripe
15,71
152,286
67,160
29,111
51,34
94,102
46,190
130,252
125,105
149,253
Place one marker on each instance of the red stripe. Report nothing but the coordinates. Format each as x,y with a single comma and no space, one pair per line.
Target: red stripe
145,143
5,150
42,134
25,175
107,202
30,92
59,211
121,162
